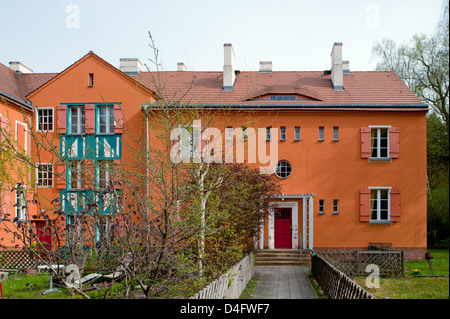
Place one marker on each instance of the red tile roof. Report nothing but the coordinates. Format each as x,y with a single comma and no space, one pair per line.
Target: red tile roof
205,88
18,86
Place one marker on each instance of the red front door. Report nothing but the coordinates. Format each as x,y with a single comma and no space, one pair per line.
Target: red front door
283,228
43,234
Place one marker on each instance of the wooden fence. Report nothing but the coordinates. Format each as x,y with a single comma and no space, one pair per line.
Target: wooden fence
17,260
230,285
335,283
354,263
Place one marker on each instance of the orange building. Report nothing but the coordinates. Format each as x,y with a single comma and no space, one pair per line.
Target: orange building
350,146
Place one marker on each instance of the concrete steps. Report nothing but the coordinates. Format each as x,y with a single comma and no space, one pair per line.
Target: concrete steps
282,257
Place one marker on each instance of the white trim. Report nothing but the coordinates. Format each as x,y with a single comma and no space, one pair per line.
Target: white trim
52,179
388,155
294,226
37,118
26,136
379,206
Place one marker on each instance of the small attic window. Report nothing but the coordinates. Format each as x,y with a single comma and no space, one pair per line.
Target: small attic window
283,97
91,79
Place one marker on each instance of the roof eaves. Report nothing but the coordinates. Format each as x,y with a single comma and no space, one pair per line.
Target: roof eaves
17,101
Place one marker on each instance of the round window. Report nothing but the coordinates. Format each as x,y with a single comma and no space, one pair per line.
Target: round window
283,169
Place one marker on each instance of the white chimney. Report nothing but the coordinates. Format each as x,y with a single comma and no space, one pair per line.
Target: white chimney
130,66
181,66
229,76
346,67
265,66
19,67
337,78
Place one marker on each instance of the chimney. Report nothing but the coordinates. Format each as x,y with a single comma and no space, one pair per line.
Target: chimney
345,67
19,67
229,76
337,78
265,66
181,66
130,66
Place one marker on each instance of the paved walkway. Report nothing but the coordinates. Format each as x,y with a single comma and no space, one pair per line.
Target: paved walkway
283,283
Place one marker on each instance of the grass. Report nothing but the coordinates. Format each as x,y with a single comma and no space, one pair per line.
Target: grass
31,287
413,287
251,285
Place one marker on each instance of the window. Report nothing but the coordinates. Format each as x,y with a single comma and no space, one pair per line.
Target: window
229,134
379,204
297,133
268,133
244,133
105,179
21,202
335,133
45,119
283,98
283,169
45,175
283,133
321,206
91,79
106,119
336,206
76,174
77,117
321,133
379,142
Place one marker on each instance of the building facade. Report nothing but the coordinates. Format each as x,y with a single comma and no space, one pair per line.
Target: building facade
349,147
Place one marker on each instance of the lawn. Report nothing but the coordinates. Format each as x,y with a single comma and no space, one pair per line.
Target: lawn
31,287
416,287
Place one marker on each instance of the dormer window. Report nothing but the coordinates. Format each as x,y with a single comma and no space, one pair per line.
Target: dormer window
283,97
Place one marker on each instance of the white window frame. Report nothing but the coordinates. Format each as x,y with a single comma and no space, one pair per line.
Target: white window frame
21,213
276,166
229,133
52,121
26,136
109,125
378,128
378,219
268,133
335,206
79,119
321,206
321,133
49,185
335,133
79,172
283,133
297,133
105,166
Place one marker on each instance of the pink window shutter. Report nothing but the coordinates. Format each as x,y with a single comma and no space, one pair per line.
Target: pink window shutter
364,201
395,205
62,118
60,176
90,118
394,134
118,118
4,124
365,142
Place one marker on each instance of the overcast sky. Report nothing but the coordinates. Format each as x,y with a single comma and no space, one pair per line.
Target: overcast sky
48,36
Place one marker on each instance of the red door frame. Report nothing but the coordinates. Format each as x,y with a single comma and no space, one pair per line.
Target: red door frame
283,228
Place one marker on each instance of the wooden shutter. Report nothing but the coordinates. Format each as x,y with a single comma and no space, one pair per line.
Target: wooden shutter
60,176
365,142
364,201
89,113
62,118
395,205
118,118
394,136
116,173
88,174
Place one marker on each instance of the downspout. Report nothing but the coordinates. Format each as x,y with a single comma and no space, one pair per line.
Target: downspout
147,155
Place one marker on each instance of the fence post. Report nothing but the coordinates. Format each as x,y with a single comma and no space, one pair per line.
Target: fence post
357,263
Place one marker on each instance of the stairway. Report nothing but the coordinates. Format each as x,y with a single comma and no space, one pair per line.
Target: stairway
282,257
